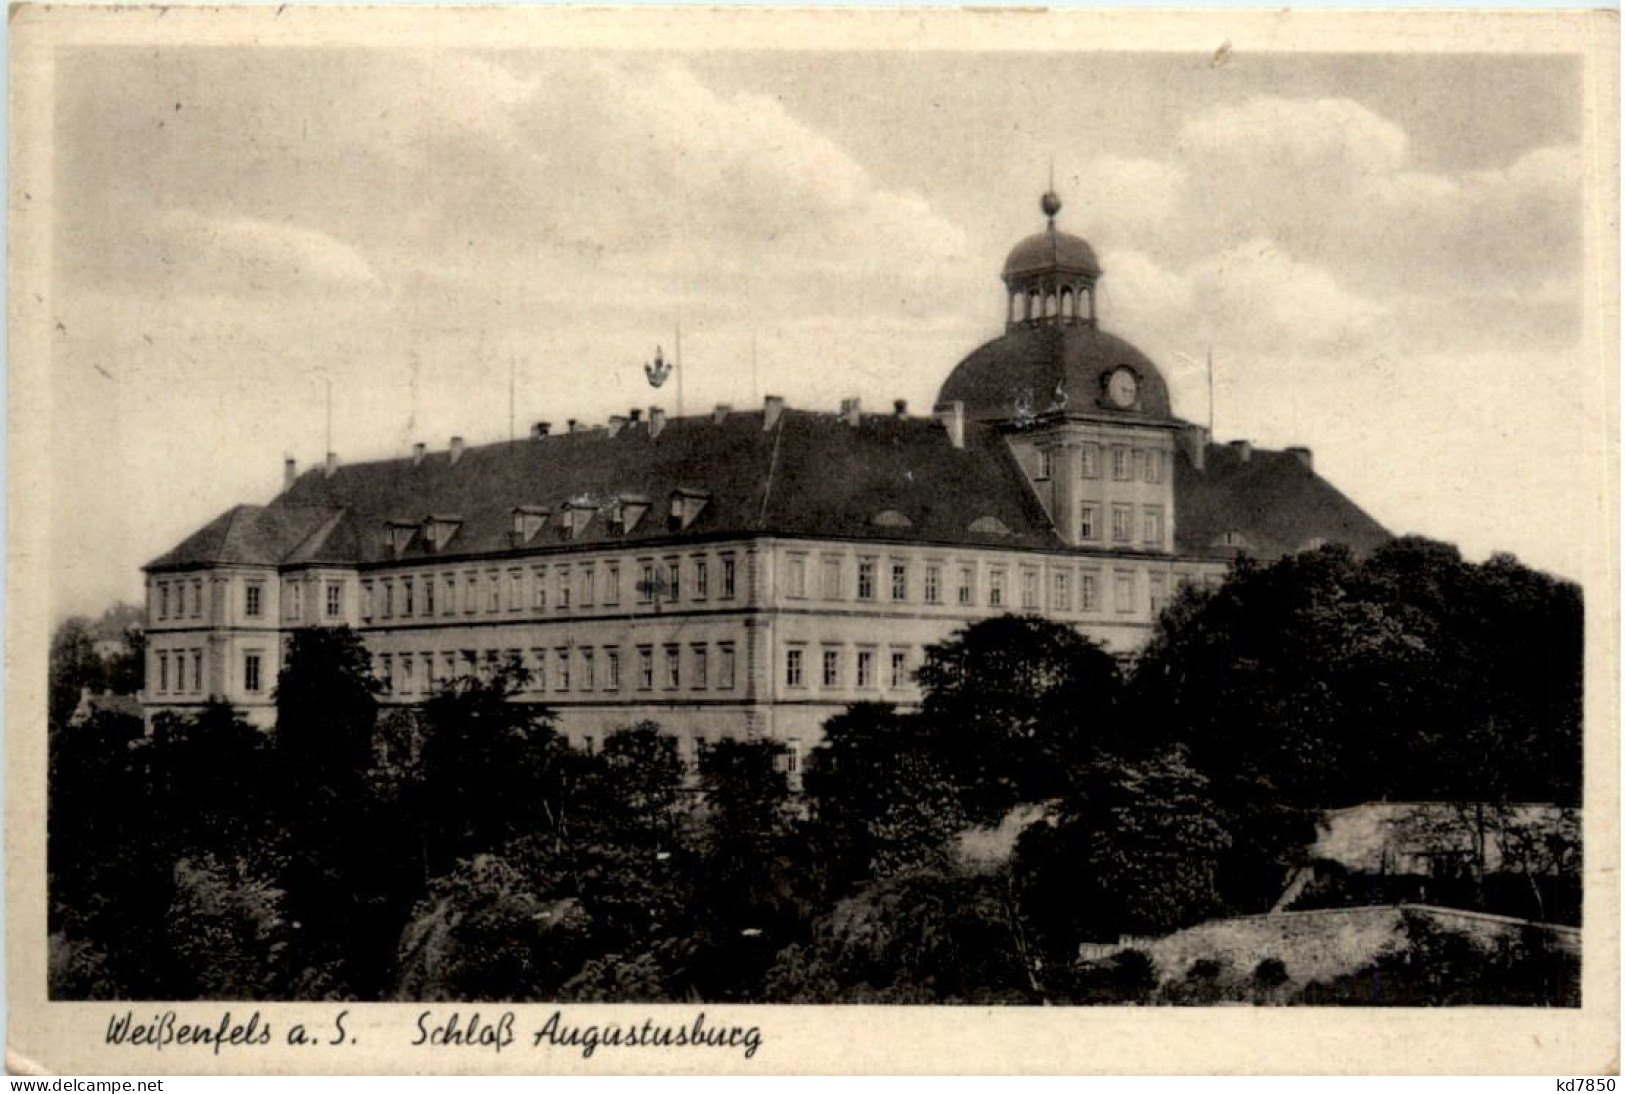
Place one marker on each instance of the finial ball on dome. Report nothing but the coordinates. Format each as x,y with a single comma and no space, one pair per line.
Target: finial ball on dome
1050,203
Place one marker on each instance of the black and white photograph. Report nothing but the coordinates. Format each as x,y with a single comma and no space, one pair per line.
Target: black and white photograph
598,539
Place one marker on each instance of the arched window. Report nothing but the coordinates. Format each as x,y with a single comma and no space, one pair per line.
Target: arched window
1067,304
1049,304
1032,304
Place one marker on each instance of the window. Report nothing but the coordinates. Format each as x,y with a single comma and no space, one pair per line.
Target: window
866,579
933,584
1091,461
967,585
588,579
493,591
899,581
1088,521
561,661
832,579
1122,523
702,666
725,666
471,592
589,676
995,588
197,599
792,668
674,578
448,666
646,668
899,669
1140,465
538,585
389,598
612,584
197,670
832,668
1029,589
1151,519
406,674
727,577
588,745
409,596
792,755
866,668
296,607
702,580
253,594
674,666
163,672
448,602
163,600
366,600
647,586
1060,593
796,576
1123,592
1159,593
1046,463
428,595
562,577
1122,465
428,670
1153,466
516,590
251,673
612,668
1088,592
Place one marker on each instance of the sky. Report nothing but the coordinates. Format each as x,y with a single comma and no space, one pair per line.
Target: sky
1382,252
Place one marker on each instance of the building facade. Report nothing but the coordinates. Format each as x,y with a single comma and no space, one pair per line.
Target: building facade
752,572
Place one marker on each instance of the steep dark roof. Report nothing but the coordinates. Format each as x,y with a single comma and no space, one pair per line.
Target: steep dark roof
1275,503
1031,361
812,474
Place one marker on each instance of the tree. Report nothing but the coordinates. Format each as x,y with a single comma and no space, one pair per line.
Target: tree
1013,705
880,800
491,769
1135,850
74,665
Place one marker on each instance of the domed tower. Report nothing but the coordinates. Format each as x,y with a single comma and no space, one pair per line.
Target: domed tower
1087,414
1050,276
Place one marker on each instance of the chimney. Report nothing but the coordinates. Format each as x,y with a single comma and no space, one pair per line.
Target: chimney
720,414
657,421
541,429
572,427
1193,439
332,465
772,408
952,416
290,472
636,414
1303,455
899,407
1242,449
852,411
456,450
419,450
617,422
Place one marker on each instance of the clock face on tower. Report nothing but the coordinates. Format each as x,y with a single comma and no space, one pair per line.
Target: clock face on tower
1123,388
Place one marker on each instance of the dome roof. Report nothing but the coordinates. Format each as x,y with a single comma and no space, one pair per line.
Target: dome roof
1051,250
1031,362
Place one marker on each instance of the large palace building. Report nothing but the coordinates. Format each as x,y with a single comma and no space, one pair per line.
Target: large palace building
752,572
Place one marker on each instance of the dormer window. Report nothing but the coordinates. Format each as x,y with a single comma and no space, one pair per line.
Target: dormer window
528,520
575,516
687,504
438,530
1046,463
399,533
891,518
989,526
632,509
